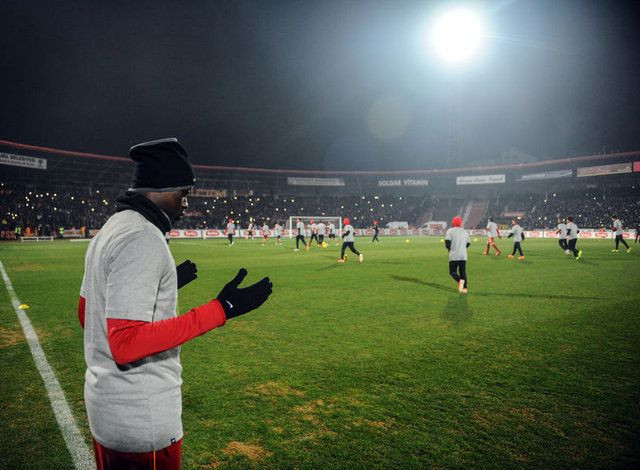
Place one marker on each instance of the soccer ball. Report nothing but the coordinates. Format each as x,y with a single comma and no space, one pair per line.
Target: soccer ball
442,240
407,241
475,239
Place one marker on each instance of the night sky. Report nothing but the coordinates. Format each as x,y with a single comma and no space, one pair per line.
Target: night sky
319,84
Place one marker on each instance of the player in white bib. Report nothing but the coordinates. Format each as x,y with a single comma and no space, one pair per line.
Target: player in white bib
230,230
349,241
250,229
562,236
332,232
313,232
617,231
492,233
518,236
572,238
299,234
265,234
457,241
277,231
321,230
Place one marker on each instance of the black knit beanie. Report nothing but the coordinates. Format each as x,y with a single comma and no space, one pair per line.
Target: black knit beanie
161,166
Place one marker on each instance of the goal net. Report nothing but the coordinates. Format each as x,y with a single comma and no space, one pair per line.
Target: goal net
306,220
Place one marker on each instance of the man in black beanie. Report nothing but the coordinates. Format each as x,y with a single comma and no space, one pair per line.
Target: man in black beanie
162,179
127,308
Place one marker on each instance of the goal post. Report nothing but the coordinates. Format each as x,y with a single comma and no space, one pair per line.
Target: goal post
306,219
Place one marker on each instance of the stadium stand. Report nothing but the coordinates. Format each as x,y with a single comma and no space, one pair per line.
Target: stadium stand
474,212
76,190
48,208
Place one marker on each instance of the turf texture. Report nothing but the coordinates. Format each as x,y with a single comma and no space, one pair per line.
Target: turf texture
377,364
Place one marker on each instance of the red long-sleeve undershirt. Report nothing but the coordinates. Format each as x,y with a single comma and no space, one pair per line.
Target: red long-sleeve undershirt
132,340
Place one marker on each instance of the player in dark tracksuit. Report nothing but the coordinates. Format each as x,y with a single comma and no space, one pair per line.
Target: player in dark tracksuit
376,230
299,235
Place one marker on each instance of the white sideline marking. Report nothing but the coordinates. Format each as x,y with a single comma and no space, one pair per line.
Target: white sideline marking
82,457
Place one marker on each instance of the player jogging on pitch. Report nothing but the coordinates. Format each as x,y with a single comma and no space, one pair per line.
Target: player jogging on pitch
562,236
277,229
321,228
518,236
457,241
376,230
313,232
332,232
265,234
250,229
492,233
572,238
299,235
230,230
349,241
127,307
617,230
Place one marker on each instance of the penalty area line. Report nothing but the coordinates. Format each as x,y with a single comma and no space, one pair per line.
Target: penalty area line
80,454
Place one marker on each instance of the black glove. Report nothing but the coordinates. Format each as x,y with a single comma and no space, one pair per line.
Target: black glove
186,272
239,301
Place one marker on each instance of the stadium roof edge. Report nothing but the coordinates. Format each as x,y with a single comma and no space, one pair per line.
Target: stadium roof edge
516,166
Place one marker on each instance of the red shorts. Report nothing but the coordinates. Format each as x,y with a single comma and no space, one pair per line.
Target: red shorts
491,239
168,458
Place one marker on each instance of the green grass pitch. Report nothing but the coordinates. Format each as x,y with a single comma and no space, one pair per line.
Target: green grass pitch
376,364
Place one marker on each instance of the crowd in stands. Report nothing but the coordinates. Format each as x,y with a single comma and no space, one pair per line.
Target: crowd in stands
590,209
45,210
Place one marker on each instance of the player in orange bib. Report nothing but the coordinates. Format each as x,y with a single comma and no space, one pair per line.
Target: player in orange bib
492,233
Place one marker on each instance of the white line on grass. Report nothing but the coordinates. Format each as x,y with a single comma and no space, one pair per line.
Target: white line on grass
82,457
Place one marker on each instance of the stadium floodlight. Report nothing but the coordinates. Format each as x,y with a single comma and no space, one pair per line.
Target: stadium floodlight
457,35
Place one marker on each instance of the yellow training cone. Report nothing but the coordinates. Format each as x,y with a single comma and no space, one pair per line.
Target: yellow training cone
23,306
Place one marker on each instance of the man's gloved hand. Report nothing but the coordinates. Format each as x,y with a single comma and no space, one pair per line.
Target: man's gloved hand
186,272
239,301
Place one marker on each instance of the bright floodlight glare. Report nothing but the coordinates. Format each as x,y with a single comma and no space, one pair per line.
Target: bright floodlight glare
457,35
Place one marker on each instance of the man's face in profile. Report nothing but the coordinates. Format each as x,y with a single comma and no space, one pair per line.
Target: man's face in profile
173,203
